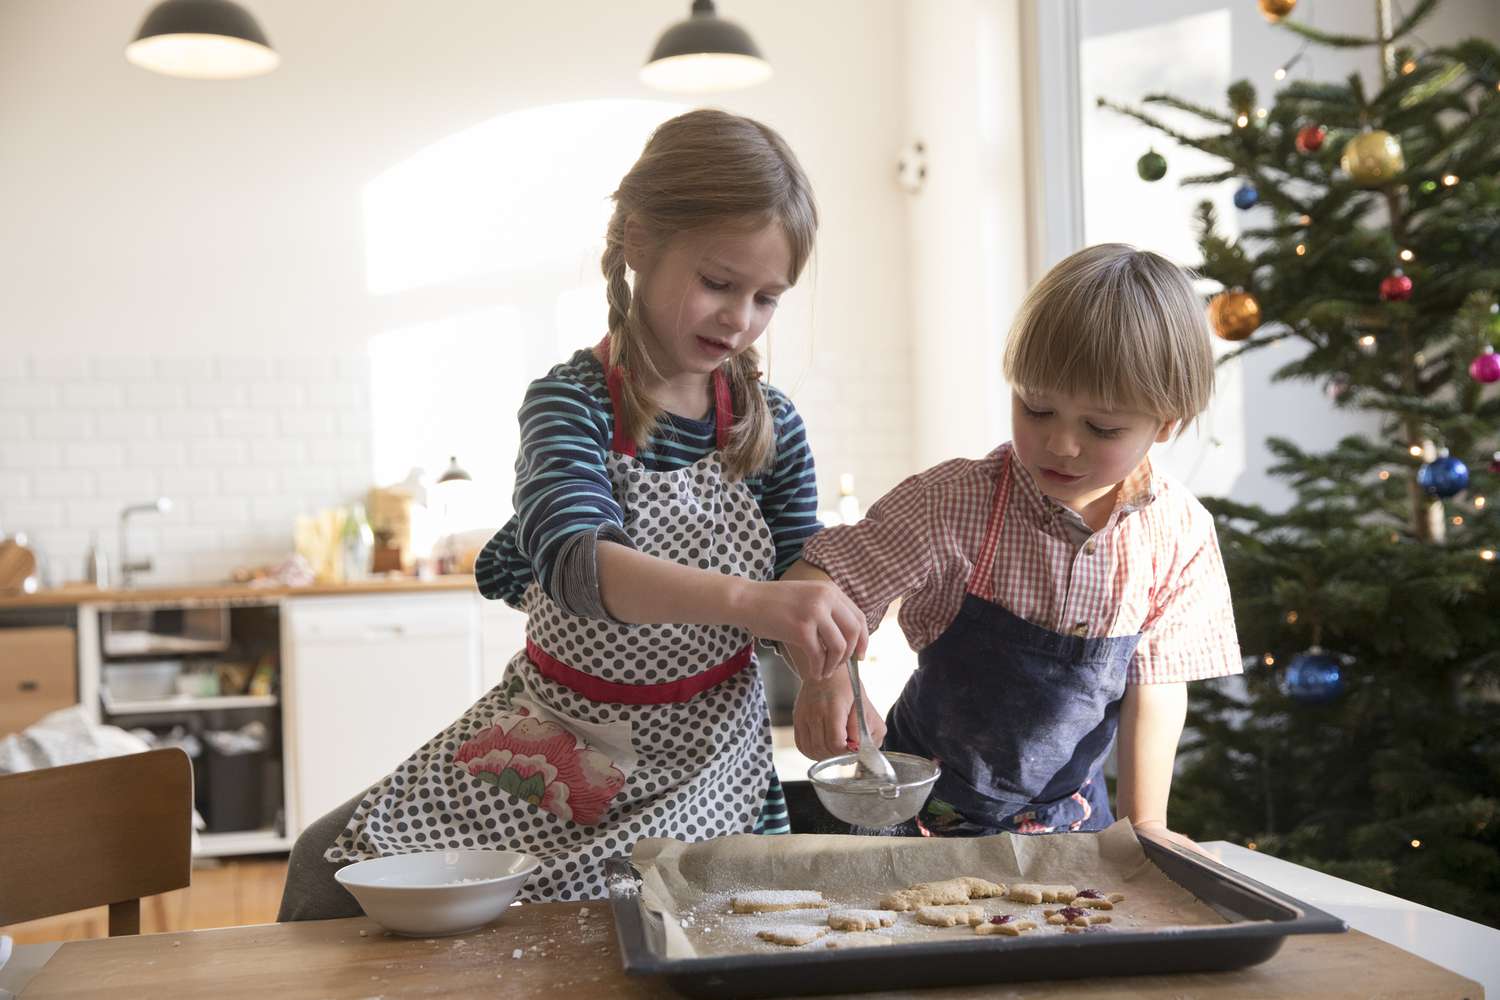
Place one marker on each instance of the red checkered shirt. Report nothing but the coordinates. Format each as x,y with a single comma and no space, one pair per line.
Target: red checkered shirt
1153,569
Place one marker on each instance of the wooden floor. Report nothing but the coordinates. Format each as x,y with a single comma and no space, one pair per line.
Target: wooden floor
223,894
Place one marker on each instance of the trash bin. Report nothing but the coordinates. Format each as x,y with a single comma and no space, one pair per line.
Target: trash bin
234,766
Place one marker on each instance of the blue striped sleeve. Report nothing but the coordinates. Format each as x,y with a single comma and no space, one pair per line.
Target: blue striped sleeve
789,497
562,485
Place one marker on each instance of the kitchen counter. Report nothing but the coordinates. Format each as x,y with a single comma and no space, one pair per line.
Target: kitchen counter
74,595
1467,948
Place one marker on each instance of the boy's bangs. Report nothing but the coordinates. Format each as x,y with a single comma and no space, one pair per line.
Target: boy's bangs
1088,352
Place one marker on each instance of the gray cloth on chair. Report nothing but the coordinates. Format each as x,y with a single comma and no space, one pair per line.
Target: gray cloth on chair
311,892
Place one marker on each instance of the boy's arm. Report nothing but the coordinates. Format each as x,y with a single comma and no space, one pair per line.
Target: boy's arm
1151,720
887,555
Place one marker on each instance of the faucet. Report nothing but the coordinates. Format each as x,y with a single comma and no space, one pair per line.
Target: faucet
160,505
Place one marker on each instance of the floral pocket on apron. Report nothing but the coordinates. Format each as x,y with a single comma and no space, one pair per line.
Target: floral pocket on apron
543,762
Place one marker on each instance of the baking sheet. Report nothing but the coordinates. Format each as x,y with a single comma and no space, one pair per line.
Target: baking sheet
690,885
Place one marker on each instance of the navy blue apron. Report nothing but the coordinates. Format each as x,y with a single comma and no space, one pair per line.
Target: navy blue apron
1020,717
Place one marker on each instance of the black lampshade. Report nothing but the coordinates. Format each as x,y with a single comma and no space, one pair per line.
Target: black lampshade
202,39
705,53
455,473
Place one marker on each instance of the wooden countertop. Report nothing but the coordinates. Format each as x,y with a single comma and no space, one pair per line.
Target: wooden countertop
74,595
566,953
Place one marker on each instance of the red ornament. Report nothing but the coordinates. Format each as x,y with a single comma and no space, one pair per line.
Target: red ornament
1495,463
1395,287
1486,367
1310,138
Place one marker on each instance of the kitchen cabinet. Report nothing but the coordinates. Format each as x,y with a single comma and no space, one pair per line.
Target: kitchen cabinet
502,631
368,680
38,674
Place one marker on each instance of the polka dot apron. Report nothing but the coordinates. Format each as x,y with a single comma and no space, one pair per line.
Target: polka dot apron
601,733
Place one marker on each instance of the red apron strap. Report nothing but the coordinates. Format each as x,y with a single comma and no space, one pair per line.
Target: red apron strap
614,378
723,408
598,689
982,579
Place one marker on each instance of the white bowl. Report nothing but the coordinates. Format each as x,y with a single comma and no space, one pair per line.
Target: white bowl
434,893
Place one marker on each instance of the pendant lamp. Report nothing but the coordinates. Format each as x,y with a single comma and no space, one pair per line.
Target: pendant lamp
202,40
705,53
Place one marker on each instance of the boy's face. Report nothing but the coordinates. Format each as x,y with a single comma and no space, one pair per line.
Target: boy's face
1077,451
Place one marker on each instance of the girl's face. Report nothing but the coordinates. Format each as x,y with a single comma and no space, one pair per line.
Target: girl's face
706,297
1077,451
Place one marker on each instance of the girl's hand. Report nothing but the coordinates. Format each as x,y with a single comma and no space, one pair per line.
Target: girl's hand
824,719
821,627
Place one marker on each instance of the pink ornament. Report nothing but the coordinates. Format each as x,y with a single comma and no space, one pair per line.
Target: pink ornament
1486,367
1395,287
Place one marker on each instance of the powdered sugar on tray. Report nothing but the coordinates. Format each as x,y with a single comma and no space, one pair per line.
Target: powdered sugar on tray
714,929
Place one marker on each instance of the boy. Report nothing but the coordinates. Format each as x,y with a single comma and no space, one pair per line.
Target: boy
1059,591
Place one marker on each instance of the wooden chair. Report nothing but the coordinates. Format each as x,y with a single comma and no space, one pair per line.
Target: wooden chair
106,831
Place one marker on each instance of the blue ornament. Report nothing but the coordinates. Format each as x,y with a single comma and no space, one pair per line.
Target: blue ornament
1443,476
1313,677
1246,196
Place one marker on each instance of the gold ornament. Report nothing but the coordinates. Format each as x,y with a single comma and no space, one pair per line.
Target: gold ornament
1372,158
1275,10
1234,314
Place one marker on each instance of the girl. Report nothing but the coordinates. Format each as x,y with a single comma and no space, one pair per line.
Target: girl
661,488
1059,590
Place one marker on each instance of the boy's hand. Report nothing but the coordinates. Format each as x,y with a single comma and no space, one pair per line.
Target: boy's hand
821,627
1157,830
824,719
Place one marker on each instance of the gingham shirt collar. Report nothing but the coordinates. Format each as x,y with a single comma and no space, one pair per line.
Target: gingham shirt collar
1137,491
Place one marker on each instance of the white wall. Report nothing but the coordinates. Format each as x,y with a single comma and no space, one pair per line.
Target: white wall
185,300
968,222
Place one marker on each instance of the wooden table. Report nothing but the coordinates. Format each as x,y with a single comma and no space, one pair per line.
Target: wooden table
568,953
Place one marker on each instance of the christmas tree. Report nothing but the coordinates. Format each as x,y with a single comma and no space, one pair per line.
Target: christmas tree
1364,740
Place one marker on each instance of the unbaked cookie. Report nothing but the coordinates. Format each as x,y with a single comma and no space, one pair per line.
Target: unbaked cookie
860,920
1072,916
949,916
1093,899
1032,893
945,893
1007,924
792,935
775,900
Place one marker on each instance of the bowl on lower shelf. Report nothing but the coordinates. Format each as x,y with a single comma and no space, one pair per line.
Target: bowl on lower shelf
433,893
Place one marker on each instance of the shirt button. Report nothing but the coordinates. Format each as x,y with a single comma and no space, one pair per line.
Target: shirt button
1088,549
1081,629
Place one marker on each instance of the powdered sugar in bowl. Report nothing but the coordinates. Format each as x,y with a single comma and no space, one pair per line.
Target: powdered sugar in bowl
433,893
860,802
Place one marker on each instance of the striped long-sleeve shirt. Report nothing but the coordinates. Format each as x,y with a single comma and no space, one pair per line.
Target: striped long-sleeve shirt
563,487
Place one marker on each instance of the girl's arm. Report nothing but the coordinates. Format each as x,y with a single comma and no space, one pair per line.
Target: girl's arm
808,614
1151,719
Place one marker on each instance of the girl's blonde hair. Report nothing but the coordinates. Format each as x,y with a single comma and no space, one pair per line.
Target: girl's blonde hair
1120,325
704,171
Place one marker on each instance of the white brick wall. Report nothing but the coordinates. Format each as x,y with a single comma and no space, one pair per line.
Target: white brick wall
241,445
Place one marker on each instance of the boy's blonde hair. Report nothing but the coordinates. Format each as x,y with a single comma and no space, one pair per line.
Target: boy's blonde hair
1120,325
703,171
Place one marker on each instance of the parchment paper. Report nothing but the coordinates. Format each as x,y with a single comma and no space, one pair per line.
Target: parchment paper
690,885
